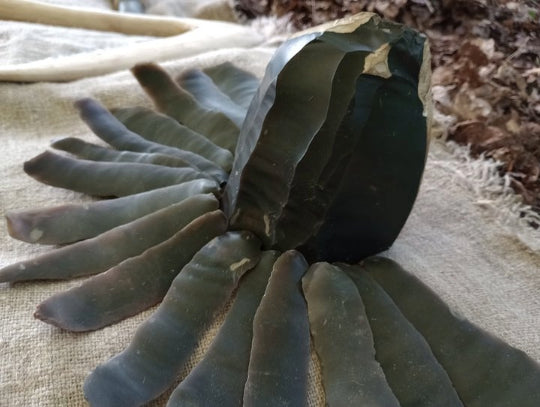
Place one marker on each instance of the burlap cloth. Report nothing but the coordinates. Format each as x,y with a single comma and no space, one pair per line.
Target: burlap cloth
467,236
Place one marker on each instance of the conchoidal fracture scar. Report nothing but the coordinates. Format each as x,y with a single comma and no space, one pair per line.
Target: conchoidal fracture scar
274,195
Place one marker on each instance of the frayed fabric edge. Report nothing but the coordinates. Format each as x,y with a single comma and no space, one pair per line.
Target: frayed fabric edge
490,190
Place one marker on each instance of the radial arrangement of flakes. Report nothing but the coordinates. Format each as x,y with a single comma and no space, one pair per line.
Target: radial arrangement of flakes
279,192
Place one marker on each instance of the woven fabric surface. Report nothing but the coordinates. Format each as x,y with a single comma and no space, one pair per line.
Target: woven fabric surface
481,260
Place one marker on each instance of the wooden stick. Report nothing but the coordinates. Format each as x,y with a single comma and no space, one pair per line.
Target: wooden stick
37,12
211,36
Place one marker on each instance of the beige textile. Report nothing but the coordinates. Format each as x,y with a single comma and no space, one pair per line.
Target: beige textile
464,238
